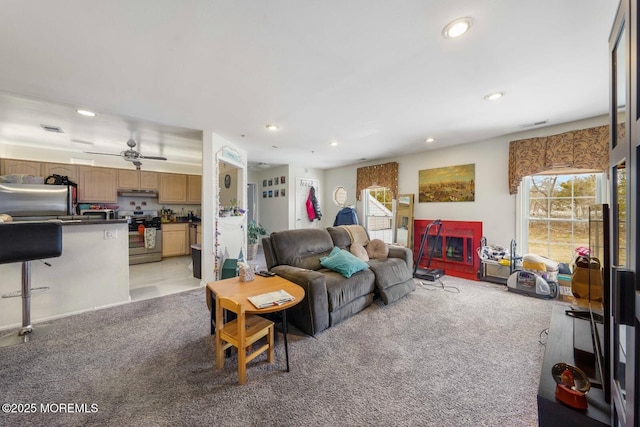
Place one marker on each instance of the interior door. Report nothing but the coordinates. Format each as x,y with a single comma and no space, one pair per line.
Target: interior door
303,186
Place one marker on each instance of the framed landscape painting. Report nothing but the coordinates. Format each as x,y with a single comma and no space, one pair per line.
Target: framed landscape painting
448,184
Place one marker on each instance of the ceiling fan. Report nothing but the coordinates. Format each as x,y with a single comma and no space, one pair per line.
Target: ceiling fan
131,155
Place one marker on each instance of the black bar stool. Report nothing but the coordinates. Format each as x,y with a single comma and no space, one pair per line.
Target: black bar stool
24,242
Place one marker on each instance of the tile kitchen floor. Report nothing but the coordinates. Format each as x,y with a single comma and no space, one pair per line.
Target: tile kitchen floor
170,276
156,279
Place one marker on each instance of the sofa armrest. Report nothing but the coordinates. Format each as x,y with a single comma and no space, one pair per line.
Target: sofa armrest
311,315
403,253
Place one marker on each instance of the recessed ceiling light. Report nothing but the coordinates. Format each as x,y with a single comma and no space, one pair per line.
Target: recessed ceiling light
86,113
429,140
333,143
272,127
494,96
457,28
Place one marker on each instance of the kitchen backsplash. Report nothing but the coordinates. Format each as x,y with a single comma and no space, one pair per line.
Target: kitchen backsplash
127,203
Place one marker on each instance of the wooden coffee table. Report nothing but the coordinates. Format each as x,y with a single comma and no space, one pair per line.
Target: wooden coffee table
238,291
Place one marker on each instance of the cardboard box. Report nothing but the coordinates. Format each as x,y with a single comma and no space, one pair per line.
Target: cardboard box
564,288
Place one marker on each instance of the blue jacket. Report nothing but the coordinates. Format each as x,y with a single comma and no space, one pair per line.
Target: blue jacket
346,216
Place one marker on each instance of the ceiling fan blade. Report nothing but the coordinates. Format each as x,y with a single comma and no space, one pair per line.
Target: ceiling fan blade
103,154
152,157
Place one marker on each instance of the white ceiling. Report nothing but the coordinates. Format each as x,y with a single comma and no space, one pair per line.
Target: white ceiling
375,75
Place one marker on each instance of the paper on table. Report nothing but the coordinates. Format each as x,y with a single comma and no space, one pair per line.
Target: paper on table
271,298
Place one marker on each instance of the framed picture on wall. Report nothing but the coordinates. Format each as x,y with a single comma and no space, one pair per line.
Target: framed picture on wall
282,193
277,192
264,182
264,194
270,193
276,180
282,180
270,183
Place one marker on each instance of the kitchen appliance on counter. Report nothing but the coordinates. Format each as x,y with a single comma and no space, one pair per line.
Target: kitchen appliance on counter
145,236
99,213
37,200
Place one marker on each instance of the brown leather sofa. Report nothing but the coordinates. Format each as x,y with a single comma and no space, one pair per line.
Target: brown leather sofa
330,297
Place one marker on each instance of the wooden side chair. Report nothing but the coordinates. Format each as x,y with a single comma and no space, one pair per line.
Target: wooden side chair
241,333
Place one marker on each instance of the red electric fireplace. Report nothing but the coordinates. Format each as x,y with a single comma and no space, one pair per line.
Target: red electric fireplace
454,251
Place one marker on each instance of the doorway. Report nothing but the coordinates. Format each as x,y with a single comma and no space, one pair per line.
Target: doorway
303,186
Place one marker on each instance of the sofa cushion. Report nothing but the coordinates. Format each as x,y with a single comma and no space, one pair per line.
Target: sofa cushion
377,249
359,251
393,278
343,262
301,248
342,291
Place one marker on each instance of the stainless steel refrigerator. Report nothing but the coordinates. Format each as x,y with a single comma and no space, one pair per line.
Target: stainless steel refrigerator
33,200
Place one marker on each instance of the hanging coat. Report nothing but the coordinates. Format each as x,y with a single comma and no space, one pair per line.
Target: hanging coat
346,216
313,206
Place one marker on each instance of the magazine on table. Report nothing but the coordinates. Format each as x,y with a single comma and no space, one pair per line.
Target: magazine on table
271,298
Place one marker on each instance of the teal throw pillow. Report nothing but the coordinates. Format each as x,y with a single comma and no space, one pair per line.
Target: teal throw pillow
343,262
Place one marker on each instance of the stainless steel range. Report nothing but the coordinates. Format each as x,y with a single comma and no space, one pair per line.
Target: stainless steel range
145,236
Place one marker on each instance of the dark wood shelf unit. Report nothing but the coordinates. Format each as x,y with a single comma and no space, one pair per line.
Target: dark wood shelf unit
560,348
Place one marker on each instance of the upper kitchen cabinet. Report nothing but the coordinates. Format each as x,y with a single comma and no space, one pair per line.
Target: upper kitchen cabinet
20,167
70,171
128,179
173,188
137,180
194,189
179,188
149,180
97,184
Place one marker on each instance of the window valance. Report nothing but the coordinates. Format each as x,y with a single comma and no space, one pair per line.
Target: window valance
579,149
384,175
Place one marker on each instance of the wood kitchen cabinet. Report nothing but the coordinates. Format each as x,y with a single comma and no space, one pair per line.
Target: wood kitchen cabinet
149,180
70,171
199,234
97,184
194,189
173,188
175,239
137,180
128,179
10,167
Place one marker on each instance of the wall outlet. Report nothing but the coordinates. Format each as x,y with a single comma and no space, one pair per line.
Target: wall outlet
110,234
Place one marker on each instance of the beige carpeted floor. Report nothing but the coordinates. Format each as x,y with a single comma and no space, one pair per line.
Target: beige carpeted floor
434,358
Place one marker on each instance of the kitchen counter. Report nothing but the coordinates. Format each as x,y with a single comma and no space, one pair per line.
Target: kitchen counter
72,220
91,273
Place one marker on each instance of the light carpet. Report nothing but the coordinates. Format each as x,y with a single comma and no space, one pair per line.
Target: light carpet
433,358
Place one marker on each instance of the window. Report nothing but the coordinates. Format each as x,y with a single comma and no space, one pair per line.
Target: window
340,196
378,202
555,213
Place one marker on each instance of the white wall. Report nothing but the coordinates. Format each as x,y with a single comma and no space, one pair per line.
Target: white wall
232,237
493,205
272,211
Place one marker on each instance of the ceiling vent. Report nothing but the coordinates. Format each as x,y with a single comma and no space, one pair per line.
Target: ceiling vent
54,129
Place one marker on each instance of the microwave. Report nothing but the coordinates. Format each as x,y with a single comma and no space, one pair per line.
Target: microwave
99,213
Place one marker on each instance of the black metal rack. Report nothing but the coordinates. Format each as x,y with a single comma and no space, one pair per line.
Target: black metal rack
493,271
